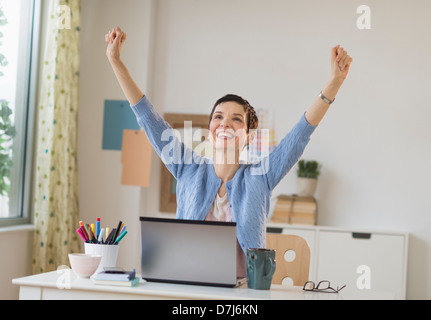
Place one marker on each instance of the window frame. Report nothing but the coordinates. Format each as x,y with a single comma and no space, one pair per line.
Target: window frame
24,194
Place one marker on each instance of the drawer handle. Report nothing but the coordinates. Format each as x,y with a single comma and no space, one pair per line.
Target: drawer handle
357,235
274,230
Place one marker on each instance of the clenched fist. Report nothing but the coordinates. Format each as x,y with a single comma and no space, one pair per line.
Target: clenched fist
340,63
115,39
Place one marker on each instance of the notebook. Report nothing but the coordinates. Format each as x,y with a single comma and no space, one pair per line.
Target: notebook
189,252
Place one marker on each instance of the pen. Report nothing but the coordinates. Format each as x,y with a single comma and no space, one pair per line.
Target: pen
120,237
113,238
100,239
117,231
87,228
107,235
92,237
82,236
93,229
111,235
84,232
98,227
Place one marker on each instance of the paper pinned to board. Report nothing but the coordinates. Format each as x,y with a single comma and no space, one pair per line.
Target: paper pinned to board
117,117
136,158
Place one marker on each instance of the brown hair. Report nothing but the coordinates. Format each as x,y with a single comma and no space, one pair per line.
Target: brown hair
251,117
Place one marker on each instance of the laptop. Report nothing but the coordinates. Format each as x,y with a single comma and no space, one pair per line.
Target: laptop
189,252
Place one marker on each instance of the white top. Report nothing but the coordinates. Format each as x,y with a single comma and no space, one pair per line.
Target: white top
220,211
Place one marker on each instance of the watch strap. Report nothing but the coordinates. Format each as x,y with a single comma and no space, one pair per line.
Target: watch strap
325,99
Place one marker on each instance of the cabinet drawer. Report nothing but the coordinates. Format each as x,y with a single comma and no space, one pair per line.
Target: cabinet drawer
382,255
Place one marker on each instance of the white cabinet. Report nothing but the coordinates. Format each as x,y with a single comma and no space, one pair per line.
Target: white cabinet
361,260
371,263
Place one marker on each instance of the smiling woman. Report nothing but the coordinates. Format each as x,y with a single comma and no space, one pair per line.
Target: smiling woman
248,111
222,188
231,120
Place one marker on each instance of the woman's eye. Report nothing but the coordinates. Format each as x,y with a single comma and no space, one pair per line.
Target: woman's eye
220,117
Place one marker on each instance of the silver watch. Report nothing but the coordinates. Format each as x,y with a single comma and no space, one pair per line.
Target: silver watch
325,99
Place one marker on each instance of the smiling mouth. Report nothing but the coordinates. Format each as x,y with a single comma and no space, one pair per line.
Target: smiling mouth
225,136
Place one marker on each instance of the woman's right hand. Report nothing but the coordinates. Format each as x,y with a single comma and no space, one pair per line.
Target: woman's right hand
115,40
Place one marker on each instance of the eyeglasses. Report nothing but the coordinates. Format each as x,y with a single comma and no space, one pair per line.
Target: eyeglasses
322,286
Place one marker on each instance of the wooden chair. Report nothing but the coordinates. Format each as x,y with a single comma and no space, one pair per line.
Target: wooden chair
298,269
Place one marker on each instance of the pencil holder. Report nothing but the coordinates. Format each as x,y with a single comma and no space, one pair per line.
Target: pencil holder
109,254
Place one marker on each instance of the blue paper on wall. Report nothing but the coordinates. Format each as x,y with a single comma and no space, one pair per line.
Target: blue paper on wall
118,116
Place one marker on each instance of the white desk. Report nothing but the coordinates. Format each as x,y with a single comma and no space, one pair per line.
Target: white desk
64,285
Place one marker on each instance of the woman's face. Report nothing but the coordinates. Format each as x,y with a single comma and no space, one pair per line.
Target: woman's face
228,127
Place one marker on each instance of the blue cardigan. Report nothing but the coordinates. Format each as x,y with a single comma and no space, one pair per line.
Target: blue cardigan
249,192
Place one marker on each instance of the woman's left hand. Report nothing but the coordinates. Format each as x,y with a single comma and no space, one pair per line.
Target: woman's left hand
340,63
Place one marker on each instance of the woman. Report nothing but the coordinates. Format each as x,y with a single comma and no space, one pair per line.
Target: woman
222,188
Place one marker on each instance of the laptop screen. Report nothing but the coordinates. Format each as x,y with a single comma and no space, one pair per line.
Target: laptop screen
188,251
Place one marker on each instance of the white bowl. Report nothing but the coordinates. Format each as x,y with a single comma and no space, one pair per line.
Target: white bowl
84,265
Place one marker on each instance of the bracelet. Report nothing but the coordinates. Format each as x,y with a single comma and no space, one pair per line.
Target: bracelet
326,99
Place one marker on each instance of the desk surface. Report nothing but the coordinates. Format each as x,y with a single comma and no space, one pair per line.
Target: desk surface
65,285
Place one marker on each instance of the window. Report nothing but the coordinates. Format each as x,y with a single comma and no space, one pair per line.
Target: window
19,37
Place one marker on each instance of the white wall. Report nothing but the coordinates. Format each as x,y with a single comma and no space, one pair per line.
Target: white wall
16,245
373,143
101,193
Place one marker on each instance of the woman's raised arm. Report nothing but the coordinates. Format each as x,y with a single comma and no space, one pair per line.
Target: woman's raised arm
171,150
115,40
340,67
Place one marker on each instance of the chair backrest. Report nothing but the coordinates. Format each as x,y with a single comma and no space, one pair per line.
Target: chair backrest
296,247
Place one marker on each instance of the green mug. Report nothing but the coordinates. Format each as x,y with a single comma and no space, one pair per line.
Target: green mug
260,268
